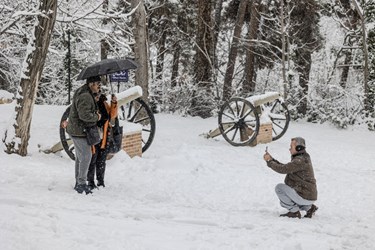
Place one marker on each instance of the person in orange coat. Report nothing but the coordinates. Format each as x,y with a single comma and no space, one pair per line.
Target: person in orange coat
98,161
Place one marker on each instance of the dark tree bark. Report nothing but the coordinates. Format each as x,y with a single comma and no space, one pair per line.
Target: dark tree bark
346,67
175,64
201,105
4,83
160,57
218,9
141,46
249,83
104,46
203,66
227,89
306,36
159,20
351,23
303,68
32,72
177,49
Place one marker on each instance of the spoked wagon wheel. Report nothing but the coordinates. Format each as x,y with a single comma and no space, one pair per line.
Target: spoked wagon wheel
280,117
136,111
65,139
238,122
139,112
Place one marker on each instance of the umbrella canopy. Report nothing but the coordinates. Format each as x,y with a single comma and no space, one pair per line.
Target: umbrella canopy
107,66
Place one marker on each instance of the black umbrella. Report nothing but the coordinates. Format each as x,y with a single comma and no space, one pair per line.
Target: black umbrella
107,66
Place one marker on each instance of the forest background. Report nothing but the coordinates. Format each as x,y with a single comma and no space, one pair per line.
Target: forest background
195,55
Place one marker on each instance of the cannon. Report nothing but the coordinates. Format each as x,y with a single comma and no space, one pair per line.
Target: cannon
239,119
131,109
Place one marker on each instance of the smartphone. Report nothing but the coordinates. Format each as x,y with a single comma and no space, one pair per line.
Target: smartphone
266,149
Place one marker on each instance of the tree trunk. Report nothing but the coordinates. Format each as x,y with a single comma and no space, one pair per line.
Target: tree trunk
303,67
227,89
17,137
4,82
366,72
218,9
141,46
201,105
160,57
104,46
249,83
203,66
181,24
306,39
283,48
345,69
175,64
351,24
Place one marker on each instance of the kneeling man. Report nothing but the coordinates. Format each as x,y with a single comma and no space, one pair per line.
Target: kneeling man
299,191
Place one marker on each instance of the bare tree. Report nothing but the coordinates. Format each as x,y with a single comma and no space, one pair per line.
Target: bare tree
349,20
227,88
216,31
159,22
177,52
306,37
249,83
203,66
104,46
32,71
365,53
141,45
203,61
283,47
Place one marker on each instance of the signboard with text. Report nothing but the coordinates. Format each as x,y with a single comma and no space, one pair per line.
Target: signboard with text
121,76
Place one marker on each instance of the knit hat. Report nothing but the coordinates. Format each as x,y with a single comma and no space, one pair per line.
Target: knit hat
93,79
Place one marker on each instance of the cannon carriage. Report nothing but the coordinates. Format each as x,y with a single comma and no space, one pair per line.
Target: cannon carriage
240,119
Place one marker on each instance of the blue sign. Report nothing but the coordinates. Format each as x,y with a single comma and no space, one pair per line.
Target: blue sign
121,76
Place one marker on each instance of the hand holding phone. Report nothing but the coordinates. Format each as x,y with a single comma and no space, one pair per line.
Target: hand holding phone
267,157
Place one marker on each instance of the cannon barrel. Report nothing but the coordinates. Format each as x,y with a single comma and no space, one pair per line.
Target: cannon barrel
127,96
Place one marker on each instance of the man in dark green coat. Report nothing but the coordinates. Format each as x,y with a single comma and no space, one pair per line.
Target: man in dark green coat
83,113
299,191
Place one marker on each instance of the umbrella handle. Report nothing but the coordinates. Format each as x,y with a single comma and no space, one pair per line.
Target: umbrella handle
111,88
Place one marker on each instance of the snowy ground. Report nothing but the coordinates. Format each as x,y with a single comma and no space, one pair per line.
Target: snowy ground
186,192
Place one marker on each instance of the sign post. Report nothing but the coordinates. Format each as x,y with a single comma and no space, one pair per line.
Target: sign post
121,76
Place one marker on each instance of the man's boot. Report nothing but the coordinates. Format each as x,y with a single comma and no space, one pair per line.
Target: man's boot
292,215
311,211
83,187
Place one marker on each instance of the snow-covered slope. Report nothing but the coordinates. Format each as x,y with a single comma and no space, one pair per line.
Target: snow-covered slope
186,192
